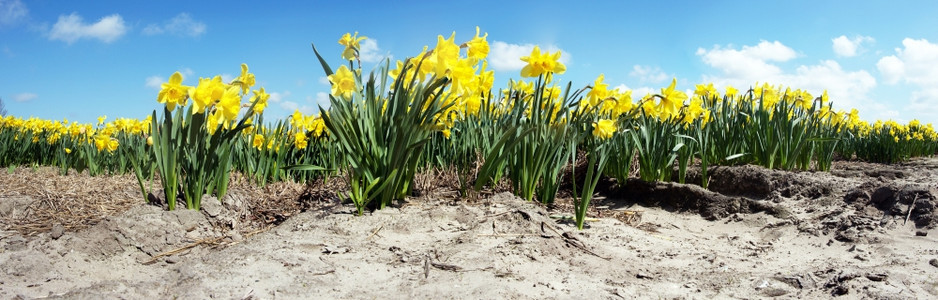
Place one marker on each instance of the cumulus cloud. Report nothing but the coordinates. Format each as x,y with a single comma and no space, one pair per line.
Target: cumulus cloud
276,97
847,47
743,68
916,64
637,93
155,82
72,27
291,106
507,57
182,25
24,97
648,74
370,52
12,12
749,62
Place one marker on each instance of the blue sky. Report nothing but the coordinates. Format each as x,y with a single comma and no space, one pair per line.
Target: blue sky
82,59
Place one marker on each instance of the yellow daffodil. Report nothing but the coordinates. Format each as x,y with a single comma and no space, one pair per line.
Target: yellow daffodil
206,93
446,54
599,92
227,108
671,100
245,80
343,82
258,141
604,129
478,46
112,145
173,92
731,91
539,63
299,140
352,45
260,99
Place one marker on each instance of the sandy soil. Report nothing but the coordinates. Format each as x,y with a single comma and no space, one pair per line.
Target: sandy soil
859,231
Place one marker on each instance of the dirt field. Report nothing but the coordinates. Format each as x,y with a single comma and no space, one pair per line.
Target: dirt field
860,231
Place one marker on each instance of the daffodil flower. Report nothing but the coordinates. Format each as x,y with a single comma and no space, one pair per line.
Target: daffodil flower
539,63
343,82
173,92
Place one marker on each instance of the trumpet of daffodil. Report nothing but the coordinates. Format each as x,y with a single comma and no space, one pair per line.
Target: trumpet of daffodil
473,102
112,145
101,141
485,80
706,91
351,43
604,129
258,141
343,82
731,91
173,92
260,100
695,111
446,53
478,46
648,106
227,108
299,140
316,125
205,94
539,63
599,92
671,100
245,80
803,99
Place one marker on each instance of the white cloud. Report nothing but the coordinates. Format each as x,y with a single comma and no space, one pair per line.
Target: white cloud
370,52
648,74
182,24
291,106
847,47
916,64
324,81
276,97
155,82
322,98
71,28
225,77
24,97
12,12
637,93
750,62
507,57
743,68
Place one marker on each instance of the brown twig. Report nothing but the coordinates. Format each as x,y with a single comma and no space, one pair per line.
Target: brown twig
911,206
572,241
183,248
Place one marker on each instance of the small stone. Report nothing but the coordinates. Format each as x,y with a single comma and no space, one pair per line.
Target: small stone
57,231
172,259
876,277
15,243
933,262
643,276
211,206
921,233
